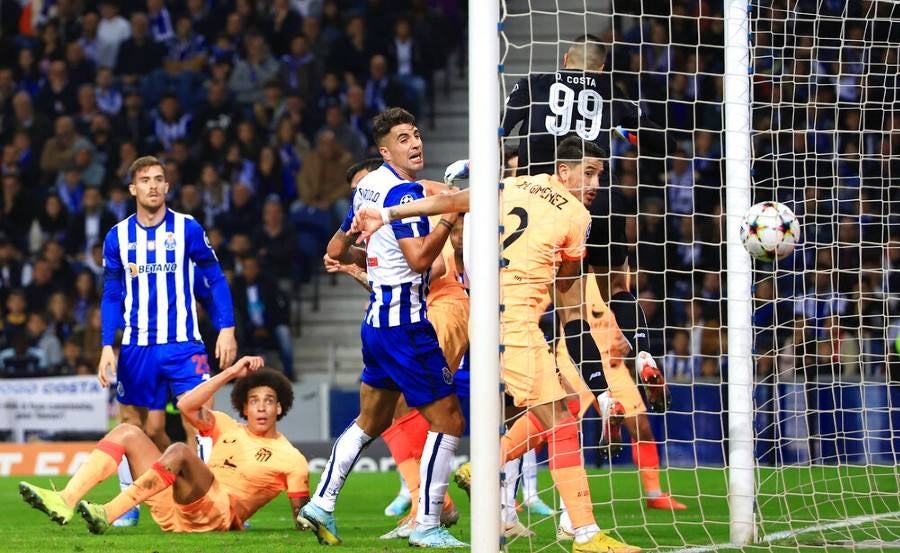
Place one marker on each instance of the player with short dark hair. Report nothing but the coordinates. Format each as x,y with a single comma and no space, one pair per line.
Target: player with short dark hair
545,224
401,352
250,465
157,263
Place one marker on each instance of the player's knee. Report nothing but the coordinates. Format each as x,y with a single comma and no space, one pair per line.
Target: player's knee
177,453
126,430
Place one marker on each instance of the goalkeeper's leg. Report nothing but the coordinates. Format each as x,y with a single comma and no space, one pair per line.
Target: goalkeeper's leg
645,455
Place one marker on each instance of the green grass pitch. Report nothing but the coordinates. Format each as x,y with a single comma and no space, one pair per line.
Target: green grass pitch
791,499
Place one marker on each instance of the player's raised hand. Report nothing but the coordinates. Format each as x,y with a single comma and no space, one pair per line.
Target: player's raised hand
107,365
246,365
366,222
226,347
457,170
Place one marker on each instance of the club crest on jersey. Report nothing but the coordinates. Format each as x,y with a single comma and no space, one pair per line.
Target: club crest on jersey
448,375
170,240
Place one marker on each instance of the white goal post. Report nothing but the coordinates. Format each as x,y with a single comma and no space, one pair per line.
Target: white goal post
484,272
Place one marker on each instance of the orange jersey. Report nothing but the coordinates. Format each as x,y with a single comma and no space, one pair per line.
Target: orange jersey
253,470
447,287
543,224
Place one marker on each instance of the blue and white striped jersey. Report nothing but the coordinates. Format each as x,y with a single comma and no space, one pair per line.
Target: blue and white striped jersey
149,281
398,292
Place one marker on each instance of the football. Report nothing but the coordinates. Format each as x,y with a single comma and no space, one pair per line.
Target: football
769,231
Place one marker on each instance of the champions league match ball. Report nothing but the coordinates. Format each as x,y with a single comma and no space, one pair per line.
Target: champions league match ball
769,231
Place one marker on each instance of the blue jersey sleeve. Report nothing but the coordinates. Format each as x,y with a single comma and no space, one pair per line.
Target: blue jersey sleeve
348,219
200,251
411,227
111,302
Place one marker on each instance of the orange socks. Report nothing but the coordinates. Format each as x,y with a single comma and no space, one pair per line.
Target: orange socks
147,485
646,458
526,433
567,470
100,465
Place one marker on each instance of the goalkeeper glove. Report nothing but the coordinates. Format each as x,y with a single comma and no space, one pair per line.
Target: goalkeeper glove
457,170
625,135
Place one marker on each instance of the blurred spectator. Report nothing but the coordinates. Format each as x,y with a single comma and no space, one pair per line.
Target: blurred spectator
90,225
322,179
59,316
57,96
270,177
52,223
243,214
300,69
185,61
347,136
43,339
16,210
24,118
59,150
138,57
382,90
282,24
408,63
89,41
679,365
254,69
133,125
263,313
358,115
351,52
112,31
85,296
275,243
190,202
161,26
10,268
63,277
70,187
20,359
216,111
216,194
27,73
16,313
169,123
81,69
41,287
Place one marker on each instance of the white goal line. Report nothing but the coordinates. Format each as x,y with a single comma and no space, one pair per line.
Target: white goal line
788,533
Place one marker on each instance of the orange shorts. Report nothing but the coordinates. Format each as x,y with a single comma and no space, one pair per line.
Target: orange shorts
527,366
211,513
450,320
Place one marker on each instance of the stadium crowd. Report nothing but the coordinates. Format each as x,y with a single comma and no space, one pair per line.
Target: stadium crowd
257,109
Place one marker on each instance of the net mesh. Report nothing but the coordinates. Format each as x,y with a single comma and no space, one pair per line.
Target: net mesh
825,143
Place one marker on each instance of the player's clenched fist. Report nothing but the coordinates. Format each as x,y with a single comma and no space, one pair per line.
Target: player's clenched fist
246,365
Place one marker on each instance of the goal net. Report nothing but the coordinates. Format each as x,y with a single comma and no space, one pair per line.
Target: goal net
824,131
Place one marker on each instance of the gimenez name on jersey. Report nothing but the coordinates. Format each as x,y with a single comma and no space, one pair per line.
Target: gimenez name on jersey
151,268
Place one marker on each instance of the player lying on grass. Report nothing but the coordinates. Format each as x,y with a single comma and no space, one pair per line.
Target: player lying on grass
250,465
545,225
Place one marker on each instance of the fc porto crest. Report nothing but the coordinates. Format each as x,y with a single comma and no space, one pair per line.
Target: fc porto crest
170,241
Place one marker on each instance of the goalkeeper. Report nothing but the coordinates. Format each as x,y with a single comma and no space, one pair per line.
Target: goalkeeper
578,99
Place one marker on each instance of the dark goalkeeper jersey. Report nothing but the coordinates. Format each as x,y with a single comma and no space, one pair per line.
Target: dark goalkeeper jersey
554,106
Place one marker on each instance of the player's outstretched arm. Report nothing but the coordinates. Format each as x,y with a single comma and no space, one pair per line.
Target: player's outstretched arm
354,270
192,403
368,221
